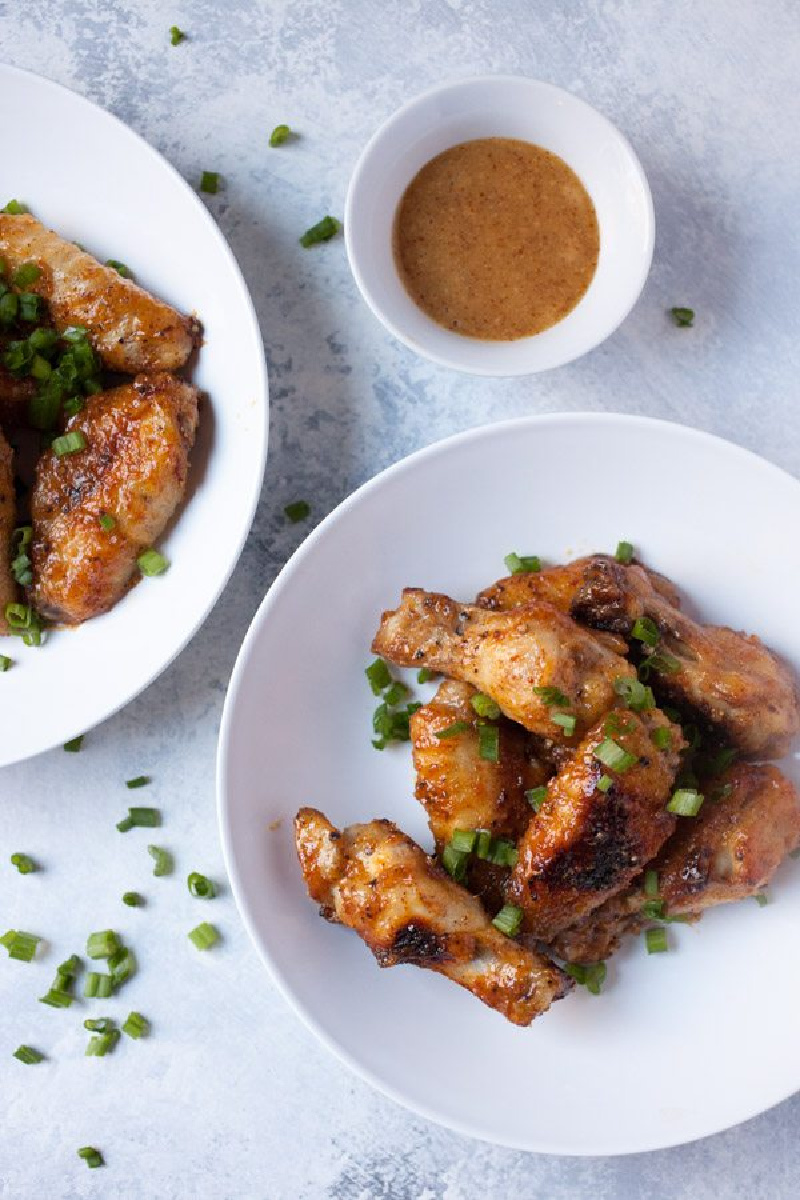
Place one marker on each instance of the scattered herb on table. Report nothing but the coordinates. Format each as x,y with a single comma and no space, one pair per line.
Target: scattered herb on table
323,231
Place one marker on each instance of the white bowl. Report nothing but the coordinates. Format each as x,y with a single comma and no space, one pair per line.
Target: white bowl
502,106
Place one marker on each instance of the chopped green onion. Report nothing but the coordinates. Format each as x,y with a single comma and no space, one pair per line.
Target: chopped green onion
25,275
27,1055
455,862
24,863
72,406
133,899
280,135
614,724
660,661
121,966
201,886
566,720
423,675
521,564
392,726
536,796
103,944
135,1025
23,621
140,818
624,553
485,706
378,675
656,940
483,843
552,695
661,737
605,783
297,511
204,936
98,985
761,899
140,781
464,840
74,744
502,852
645,630
30,306
163,860
592,976
508,920
92,1158
150,562
120,268
651,883
102,1043
396,692
489,743
107,522
176,35
5,663
57,998
20,945
323,231
686,802
209,182
683,317
9,307
15,208
99,1024
68,443
637,697
613,756
653,910
453,730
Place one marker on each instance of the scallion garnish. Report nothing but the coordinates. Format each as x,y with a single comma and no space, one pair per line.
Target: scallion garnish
392,725
23,621
761,899
489,743
297,511
378,675
661,738
605,783
682,317
455,862
121,965
209,182
463,840
138,781
453,730
57,998
536,796
656,940
25,275
6,663
97,985
660,661
396,692
589,975
92,1158
520,564
176,35
102,1043
637,697
27,1055
135,1025
686,802
103,944
653,910
645,630
20,945
150,562
651,883
163,860
280,135
552,695
201,886
140,818
24,863
68,443
120,268
613,756
204,936
423,675
133,899
107,522
624,553
483,843
485,706
99,1024
503,853
15,208
323,231
566,720
74,744
508,920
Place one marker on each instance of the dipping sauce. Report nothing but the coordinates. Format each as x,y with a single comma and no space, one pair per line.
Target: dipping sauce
496,239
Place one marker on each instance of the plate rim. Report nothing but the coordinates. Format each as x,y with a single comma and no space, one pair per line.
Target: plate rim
306,548
254,331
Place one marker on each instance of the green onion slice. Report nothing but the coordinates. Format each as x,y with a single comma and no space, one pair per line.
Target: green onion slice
605,783
651,883
92,1158
592,976
502,852
637,697
133,899
176,35
280,135
209,182
645,630
661,738
485,706
464,840
140,818
102,1043
378,675
682,317
27,1055
552,695
103,944
453,730
686,802
508,920
521,564
68,443
201,886
150,562
656,940
121,966
761,899
107,522
455,862
25,275
24,863
423,675
135,1025
489,743
323,231
297,511
483,843
74,744
5,663
120,268
536,796
15,208
204,936
57,998
613,756
624,553
20,945
100,1024
566,720
163,860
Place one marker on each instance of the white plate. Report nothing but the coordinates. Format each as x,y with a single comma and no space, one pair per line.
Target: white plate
679,1045
101,185
513,107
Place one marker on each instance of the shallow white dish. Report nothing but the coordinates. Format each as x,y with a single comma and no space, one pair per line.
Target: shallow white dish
106,188
679,1045
502,106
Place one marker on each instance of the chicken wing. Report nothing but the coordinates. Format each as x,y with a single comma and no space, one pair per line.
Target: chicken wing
729,851
508,656
460,790
132,470
8,510
129,328
378,882
586,844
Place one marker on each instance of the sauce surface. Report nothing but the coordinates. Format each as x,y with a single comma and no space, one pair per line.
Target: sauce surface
496,239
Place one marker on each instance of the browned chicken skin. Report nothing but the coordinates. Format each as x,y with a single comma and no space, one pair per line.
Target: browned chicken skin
130,329
8,588
729,851
460,790
560,585
506,655
378,882
584,845
134,469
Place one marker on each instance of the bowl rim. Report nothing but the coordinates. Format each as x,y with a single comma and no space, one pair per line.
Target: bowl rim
453,361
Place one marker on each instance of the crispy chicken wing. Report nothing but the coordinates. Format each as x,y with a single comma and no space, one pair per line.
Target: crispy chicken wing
508,656
133,469
378,882
729,851
460,790
129,328
8,511
585,844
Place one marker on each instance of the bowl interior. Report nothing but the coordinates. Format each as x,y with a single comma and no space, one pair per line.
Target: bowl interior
515,108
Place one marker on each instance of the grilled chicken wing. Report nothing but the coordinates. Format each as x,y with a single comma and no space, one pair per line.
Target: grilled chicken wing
129,328
729,851
460,790
506,655
133,469
584,844
8,509
378,882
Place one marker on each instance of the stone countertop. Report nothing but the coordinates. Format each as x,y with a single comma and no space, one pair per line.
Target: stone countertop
232,1097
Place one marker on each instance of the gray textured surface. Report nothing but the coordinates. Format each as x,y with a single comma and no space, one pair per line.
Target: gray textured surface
232,1097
